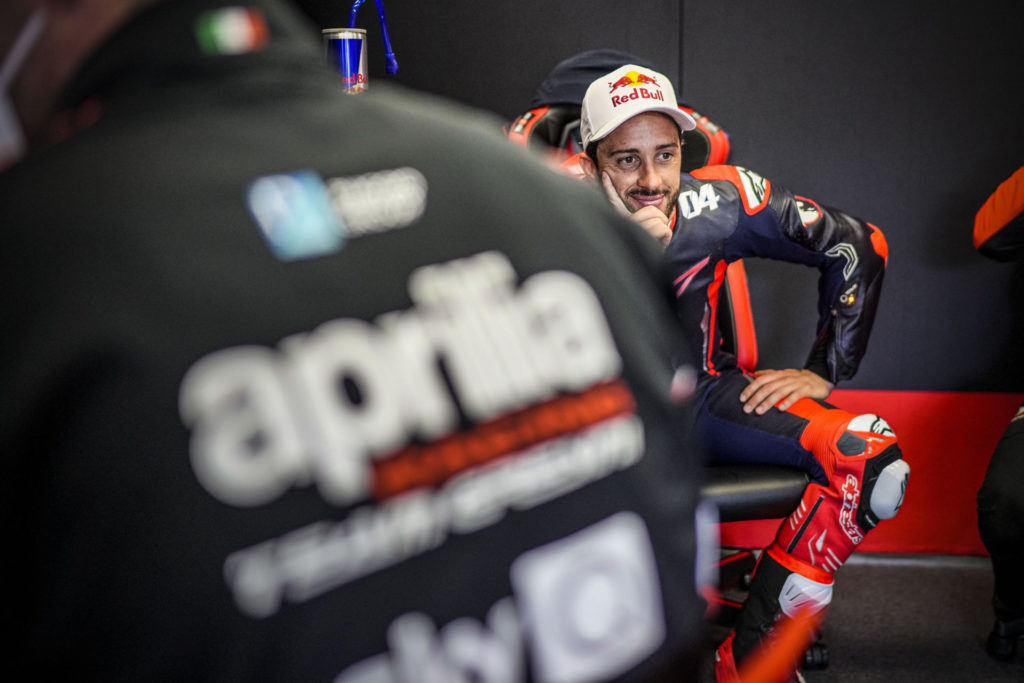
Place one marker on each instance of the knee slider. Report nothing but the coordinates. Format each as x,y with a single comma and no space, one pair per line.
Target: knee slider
889,489
885,485
885,475
800,593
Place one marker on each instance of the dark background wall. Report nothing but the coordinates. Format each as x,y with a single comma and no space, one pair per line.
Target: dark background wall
905,114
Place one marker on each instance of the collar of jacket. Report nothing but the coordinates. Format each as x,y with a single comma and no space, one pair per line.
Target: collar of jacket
163,44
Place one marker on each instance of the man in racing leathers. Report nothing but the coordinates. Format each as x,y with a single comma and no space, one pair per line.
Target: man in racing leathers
631,130
999,235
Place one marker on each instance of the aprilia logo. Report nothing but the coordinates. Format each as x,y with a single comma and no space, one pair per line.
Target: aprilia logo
326,405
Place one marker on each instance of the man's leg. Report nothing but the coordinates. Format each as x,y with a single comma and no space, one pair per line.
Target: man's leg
1001,525
860,479
867,480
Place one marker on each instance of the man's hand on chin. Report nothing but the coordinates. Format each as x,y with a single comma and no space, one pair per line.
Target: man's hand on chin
651,218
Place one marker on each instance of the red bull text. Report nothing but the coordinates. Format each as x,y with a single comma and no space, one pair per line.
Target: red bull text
634,80
345,52
638,94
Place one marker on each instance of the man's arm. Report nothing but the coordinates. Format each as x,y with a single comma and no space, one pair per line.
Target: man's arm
850,253
999,223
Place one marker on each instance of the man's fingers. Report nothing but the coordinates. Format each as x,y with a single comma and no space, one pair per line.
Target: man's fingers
761,377
655,222
782,389
788,402
768,388
650,218
613,196
761,401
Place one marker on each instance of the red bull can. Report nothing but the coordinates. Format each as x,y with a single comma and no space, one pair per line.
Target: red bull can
345,52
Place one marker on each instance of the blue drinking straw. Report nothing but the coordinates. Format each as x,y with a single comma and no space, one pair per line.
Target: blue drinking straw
392,67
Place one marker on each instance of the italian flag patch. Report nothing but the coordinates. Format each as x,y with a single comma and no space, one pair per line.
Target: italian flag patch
232,31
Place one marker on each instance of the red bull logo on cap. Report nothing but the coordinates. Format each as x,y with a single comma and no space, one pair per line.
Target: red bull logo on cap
636,81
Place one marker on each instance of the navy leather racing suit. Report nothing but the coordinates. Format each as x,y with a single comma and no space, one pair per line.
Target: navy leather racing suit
726,213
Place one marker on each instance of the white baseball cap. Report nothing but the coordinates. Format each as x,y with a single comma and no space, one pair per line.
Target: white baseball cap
620,95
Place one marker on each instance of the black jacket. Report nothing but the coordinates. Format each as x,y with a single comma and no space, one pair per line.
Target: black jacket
294,379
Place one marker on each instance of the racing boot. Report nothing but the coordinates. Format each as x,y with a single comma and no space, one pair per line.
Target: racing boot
776,592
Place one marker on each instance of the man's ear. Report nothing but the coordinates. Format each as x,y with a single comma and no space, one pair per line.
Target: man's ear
588,166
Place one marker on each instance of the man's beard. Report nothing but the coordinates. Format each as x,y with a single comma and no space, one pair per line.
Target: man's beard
668,207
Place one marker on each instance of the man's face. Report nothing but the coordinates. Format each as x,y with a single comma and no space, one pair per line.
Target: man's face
643,159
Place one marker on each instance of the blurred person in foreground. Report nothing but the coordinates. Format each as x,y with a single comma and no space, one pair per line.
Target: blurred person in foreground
299,385
999,235
631,128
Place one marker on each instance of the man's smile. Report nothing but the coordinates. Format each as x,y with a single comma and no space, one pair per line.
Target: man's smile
647,198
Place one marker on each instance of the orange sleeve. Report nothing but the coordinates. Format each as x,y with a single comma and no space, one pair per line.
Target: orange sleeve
1002,206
